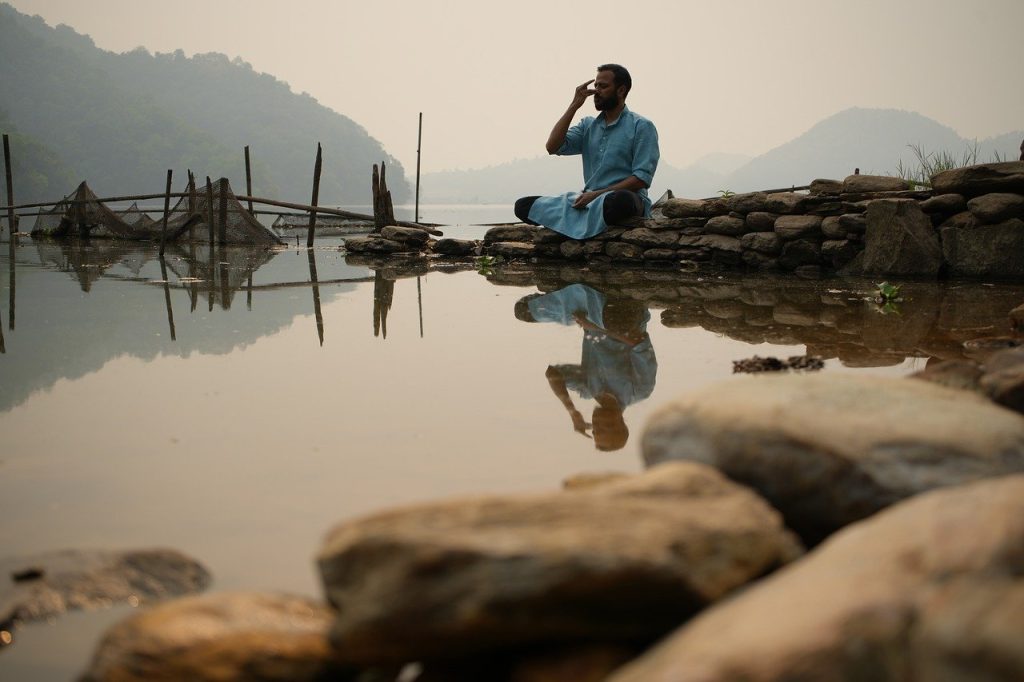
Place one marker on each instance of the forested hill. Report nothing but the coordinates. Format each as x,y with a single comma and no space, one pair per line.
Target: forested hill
121,120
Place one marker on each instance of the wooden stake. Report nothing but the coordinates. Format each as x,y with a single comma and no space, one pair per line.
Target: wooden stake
223,213
209,209
419,145
167,210
378,213
11,226
248,177
192,201
316,195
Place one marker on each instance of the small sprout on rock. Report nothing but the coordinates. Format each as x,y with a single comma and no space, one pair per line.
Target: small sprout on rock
726,193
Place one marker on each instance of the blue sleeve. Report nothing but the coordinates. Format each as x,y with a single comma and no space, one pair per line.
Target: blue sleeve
645,151
574,138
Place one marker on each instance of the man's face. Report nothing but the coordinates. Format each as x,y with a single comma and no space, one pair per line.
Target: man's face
607,96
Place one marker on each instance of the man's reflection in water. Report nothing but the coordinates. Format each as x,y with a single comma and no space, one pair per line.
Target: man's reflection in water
618,366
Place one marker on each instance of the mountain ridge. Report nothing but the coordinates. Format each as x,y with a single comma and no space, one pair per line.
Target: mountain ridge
120,120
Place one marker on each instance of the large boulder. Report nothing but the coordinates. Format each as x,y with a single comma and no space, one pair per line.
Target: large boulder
931,589
993,251
996,207
625,560
900,240
224,637
828,450
981,179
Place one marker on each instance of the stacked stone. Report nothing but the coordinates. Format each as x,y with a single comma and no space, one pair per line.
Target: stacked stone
768,231
982,219
391,239
969,224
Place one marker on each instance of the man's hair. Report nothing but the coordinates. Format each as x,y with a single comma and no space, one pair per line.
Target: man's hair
622,76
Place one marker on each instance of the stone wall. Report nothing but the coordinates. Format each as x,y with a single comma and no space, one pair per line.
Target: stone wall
970,224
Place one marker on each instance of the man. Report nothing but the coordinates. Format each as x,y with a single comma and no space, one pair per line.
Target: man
620,155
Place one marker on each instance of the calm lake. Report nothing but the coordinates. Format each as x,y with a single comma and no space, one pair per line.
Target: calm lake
236,405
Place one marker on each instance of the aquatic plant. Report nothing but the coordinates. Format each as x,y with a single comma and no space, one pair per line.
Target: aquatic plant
887,296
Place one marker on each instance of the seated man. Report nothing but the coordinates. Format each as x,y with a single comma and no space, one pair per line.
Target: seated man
620,155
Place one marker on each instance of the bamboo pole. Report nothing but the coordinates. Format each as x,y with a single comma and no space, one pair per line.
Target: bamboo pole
342,213
167,210
248,177
317,167
419,146
11,226
223,212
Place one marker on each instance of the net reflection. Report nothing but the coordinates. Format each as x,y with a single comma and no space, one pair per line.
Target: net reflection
617,366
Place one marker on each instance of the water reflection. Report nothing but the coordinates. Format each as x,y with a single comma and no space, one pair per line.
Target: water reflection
617,366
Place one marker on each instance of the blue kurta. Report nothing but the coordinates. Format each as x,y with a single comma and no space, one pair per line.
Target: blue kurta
611,153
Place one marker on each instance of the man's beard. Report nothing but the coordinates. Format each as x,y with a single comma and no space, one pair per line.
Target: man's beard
606,103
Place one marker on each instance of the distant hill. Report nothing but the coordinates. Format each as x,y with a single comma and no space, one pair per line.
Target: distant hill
120,120
873,140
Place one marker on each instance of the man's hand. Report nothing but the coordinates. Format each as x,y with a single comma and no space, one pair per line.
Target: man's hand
585,198
582,93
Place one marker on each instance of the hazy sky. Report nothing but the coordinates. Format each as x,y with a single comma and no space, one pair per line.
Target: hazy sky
492,77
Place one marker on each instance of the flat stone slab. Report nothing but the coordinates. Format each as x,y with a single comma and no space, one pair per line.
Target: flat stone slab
981,179
830,449
930,589
624,560
226,637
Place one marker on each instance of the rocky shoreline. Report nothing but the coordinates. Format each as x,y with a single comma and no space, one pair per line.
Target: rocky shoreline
969,224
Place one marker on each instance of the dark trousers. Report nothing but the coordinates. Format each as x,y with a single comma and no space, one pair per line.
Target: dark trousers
618,205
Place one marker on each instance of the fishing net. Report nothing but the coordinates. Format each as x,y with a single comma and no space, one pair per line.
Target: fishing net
82,214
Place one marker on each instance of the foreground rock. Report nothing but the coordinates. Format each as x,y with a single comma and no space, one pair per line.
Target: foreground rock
829,450
928,590
224,637
46,585
624,560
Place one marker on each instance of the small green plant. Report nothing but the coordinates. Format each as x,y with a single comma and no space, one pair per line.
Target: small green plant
726,193
887,298
888,293
485,264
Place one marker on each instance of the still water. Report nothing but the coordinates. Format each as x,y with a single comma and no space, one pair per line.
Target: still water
235,405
